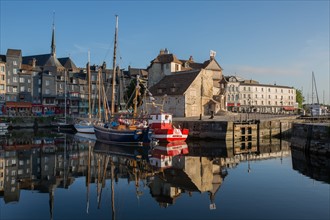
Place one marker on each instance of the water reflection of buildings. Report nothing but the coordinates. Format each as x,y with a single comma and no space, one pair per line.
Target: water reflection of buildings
183,173
46,162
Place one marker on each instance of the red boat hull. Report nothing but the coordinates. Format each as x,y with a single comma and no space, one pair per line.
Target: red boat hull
170,135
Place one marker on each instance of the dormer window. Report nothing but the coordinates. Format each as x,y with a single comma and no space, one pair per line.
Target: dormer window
173,89
159,91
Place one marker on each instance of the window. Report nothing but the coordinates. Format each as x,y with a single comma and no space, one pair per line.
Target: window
39,81
8,81
47,82
29,80
3,77
21,80
15,89
22,88
2,69
39,90
14,71
176,67
47,91
14,79
2,87
15,62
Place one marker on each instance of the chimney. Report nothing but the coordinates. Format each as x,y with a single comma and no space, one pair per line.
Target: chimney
191,59
104,65
161,52
34,61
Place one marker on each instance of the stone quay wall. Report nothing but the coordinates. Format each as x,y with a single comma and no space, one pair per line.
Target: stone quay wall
311,137
221,129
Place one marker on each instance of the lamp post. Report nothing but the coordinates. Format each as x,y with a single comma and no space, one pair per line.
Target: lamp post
249,106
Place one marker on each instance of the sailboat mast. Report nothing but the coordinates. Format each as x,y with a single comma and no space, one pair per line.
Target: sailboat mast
99,95
89,86
114,70
314,84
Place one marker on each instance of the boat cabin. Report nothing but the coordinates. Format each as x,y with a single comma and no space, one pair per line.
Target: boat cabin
160,120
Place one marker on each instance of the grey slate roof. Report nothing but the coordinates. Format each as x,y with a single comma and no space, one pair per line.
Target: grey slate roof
67,63
52,61
40,59
2,58
178,80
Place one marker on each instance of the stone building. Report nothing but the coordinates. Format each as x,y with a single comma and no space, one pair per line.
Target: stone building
183,87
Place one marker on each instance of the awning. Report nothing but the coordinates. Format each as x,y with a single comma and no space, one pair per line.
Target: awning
18,105
288,108
233,104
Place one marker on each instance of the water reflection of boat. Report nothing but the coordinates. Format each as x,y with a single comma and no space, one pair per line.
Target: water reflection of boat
123,162
119,150
162,155
84,136
3,126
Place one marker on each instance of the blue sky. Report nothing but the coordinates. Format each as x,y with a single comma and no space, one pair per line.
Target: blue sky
280,42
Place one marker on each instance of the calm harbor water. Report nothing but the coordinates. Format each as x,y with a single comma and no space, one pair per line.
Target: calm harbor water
48,175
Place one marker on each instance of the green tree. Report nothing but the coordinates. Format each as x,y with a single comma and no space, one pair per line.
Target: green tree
299,98
130,93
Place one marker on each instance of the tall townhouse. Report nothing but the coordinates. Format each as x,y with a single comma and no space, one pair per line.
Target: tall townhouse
2,81
13,66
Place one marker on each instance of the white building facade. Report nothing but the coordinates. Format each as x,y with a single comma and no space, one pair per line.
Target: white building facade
250,96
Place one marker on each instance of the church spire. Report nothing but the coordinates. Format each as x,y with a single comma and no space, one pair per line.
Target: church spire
53,47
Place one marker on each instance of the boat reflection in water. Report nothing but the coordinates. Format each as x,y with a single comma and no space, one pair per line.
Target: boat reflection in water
47,162
163,155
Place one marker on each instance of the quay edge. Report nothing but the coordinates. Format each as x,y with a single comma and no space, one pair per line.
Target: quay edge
221,128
